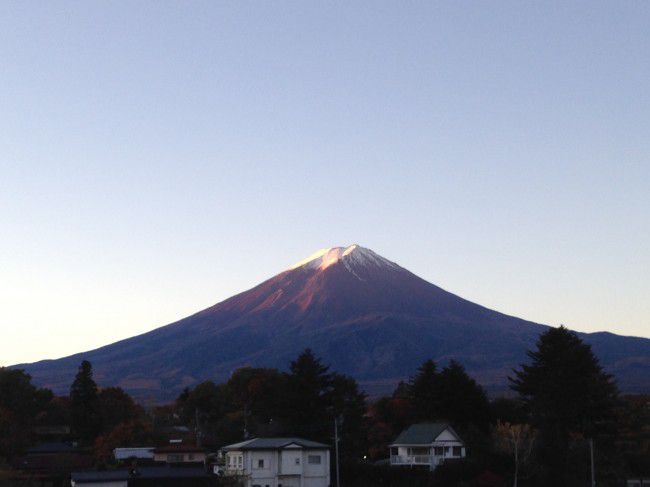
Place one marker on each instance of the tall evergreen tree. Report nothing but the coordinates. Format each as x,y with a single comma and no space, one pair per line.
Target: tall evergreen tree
309,385
424,393
566,392
349,404
83,402
462,401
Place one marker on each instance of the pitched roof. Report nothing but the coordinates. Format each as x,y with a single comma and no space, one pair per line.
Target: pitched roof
274,444
155,472
422,433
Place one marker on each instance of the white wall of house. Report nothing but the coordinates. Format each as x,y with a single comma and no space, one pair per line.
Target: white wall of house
446,435
126,453
291,466
291,461
317,464
262,466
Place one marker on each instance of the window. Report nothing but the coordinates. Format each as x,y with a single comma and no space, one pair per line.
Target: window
457,451
190,456
438,451
313,459
260,463
297,460
236,461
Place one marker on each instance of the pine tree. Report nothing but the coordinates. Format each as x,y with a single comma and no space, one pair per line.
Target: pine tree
83,401
424,393
566,393
349,404
309,385
462,401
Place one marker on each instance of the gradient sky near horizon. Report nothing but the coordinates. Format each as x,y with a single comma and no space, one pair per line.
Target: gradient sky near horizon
158,157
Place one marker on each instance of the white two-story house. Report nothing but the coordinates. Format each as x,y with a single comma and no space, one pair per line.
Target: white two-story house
426,444
279,462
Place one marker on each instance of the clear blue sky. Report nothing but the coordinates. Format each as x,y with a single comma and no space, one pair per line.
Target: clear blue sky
158,157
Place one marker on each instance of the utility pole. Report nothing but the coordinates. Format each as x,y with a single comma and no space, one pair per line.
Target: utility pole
591,453
246,413
336,450
198,432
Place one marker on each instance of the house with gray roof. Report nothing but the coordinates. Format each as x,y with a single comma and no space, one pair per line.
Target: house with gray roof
279,462
426,445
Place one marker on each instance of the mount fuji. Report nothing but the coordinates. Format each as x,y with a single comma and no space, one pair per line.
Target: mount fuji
363,314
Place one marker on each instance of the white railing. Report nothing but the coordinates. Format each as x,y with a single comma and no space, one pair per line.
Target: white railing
411,460
418,460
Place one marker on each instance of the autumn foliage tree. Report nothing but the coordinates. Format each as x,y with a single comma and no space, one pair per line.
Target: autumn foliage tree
114,407
260,394
517,440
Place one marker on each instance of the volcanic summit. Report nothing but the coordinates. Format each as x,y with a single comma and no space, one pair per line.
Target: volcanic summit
363,314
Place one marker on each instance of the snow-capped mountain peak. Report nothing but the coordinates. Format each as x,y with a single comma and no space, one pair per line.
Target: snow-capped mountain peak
351,256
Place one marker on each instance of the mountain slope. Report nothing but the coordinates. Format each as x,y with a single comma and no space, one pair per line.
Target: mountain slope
365,315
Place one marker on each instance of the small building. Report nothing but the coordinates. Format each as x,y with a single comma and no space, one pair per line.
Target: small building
426,444
52,432
279,462
179,453
53,461
151,476
138,453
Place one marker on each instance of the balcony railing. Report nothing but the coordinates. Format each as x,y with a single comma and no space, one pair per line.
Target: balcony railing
411,460
430,460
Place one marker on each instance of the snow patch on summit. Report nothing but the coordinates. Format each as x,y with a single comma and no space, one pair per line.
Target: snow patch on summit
353,256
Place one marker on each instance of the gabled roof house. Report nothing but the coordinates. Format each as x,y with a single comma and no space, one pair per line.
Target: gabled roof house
427,445
279,462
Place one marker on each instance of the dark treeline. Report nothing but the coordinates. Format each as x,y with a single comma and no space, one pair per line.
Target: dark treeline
562,400
266,402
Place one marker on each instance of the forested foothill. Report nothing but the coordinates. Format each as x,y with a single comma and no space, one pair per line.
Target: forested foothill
561,403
